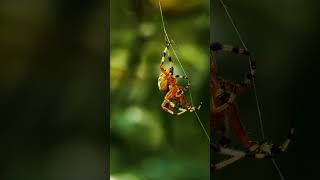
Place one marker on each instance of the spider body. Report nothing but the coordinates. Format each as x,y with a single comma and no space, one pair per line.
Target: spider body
174,100
163,83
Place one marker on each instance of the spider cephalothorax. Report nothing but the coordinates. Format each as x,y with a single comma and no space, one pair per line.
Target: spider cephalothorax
174,101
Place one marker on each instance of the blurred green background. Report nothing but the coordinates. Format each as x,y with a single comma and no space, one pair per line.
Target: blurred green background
147,142
283,38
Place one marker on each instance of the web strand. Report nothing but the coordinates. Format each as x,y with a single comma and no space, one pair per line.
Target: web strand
178,59
277,168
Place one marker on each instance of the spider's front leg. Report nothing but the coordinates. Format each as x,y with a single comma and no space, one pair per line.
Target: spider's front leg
166,53
163,83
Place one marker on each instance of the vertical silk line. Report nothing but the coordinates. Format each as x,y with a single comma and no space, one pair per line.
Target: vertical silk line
176,56
254,87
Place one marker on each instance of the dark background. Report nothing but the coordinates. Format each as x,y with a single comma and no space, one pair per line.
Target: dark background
54,84
284,40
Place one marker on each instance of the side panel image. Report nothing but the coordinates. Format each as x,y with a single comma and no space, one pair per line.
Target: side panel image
250,136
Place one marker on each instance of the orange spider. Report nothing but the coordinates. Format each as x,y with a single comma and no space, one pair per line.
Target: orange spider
167,83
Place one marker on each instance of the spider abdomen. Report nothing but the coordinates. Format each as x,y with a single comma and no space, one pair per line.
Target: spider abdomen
163,83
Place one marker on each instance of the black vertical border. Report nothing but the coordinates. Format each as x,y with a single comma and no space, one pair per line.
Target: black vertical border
107,59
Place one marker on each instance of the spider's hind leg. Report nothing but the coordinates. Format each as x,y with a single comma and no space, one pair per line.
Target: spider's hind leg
195,108
188,107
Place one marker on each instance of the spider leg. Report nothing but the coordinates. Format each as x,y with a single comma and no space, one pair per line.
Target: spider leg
187,86
235,156
179,108
234,120
270,150
174,101
165,53
182,77
166,101
163,106
231,87
215,47
187,106
225,87
172,105
245,84
195,108
238,88
286,143
221,47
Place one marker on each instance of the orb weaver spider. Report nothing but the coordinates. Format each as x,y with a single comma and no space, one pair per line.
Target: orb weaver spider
224,93
174,101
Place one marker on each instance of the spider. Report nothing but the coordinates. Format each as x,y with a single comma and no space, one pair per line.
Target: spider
167,83
224,93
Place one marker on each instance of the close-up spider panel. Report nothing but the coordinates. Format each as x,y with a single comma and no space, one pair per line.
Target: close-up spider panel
258,114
